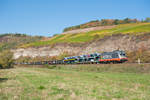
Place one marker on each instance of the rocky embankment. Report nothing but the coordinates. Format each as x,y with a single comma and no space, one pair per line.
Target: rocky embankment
109,43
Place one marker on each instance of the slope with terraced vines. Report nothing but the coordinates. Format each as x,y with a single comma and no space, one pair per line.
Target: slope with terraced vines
131,29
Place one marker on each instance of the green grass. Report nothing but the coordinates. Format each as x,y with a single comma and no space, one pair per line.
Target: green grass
132,29
62,84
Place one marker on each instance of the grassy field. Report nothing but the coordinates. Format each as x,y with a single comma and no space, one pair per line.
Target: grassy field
61,83
132,29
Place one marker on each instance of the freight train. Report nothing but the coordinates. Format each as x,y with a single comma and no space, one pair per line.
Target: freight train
117,56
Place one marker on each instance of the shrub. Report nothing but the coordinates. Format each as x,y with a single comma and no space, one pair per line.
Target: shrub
52,67
41,87
6,59
63,54
143,55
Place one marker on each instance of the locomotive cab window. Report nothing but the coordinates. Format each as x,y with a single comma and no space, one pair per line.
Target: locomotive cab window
122,54
115,55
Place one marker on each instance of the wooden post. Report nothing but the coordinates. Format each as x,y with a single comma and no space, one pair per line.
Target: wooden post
139,62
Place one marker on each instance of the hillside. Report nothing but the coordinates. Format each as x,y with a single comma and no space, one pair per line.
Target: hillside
89,29
131,29
12,41
102,22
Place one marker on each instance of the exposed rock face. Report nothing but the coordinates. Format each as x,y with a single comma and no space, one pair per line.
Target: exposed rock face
126,42
122,42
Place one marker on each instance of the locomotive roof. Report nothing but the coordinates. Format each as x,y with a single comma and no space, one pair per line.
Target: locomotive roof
116,51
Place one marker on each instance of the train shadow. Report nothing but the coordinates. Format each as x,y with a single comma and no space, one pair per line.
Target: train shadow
3,79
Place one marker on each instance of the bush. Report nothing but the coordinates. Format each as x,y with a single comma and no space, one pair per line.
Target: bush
143,55
6,59
52,67
63,54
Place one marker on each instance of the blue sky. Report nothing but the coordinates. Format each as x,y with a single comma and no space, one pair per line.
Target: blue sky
48,17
